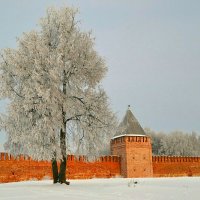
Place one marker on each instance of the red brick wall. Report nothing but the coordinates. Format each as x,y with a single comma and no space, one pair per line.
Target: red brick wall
118,147
77,168
165,166
21,168
139,156
105,167
136,155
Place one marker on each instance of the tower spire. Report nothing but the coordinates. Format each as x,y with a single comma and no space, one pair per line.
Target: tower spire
130,125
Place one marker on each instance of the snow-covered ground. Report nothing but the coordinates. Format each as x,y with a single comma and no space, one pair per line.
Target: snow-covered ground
105,189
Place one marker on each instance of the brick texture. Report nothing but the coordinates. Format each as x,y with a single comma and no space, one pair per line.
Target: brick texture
165,166
136,155
23,168
131,157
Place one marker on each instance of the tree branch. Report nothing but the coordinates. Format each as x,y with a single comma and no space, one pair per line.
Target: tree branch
76,118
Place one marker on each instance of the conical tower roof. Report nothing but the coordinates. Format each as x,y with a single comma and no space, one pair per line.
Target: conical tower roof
129,125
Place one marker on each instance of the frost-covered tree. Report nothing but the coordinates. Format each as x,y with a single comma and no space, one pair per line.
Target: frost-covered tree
57,105
176,143
156,139
180,144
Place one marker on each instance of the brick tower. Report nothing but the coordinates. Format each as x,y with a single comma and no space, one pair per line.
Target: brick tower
134,147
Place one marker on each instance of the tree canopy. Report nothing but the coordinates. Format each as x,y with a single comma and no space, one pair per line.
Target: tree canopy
53,81
176,143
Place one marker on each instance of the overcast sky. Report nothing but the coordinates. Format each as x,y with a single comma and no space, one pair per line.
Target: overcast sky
151,47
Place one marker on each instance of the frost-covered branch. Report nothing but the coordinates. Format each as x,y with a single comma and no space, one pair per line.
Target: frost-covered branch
53,82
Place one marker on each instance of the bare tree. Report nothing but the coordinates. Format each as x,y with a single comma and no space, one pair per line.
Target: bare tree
56,104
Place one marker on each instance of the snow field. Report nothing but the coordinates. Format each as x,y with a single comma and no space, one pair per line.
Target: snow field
105,189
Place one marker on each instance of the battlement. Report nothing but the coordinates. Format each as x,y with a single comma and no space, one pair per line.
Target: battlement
81,158
168,166
78,167
6,156
168,159
70,158
125,139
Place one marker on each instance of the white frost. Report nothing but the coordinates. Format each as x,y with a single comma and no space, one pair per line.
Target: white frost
52,80
105,189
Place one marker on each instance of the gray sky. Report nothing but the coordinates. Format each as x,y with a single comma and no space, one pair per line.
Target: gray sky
151,48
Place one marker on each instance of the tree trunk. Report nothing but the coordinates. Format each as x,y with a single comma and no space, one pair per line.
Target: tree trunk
54,170
62,174
54,165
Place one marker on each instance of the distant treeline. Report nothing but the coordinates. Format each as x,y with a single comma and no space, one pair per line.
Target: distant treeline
176,143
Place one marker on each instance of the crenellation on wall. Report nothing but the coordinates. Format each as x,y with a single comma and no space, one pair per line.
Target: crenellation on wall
7,156
175,159
170,166
131,156
23,168
2,157
113,158
136,139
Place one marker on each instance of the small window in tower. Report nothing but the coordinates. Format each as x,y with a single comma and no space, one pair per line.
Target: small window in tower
144,170
144,157
133,157
134,170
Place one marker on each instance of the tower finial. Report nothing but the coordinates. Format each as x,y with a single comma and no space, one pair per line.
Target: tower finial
129,107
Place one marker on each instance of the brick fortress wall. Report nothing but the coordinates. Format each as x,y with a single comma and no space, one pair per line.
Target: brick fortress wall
23,168
166,166
20,169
